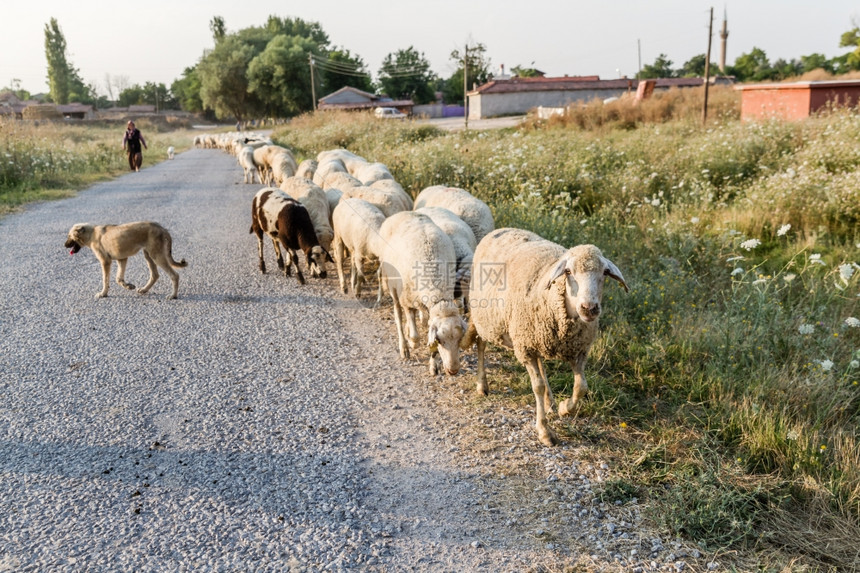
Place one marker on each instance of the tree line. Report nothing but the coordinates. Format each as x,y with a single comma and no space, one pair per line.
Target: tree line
277,69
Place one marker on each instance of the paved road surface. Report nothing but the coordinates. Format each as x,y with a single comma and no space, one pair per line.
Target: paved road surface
252,424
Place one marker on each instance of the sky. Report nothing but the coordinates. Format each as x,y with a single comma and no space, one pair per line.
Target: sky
157,39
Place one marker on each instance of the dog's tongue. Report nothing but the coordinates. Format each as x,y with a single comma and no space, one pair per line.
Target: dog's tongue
72,252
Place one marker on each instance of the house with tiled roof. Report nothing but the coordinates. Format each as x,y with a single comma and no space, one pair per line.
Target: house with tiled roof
520,95
353,99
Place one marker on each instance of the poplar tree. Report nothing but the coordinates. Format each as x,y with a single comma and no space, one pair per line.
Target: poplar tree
59,71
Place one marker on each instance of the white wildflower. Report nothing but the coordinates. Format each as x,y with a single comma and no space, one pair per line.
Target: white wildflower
792,435
852,322
783,230
806,329
694,220
853,364
759,281
826,365
655,202
737,271
789,277
846,271
815,259
583,222
750,244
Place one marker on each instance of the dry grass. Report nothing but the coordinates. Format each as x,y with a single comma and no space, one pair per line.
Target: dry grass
675,104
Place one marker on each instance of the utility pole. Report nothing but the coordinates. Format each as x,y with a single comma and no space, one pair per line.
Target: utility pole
639,49
708,68
313,87
466,85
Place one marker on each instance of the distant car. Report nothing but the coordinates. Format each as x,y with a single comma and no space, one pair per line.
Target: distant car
389,113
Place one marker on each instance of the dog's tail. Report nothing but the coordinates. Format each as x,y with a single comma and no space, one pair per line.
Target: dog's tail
168,250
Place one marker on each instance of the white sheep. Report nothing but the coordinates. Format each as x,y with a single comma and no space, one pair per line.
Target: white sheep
463,240
388,203
340,180
334,196
282,165
324,168
350,160
315,201
516,301
367,173
475,212
394,188
356,228
263,157
417,265
245,157
306,169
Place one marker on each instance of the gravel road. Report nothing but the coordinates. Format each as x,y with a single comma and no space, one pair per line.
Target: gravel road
256,424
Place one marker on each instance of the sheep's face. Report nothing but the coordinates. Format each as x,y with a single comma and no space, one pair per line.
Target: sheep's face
317,258
446,329
584,269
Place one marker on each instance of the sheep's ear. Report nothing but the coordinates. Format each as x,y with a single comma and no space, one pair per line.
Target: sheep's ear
431,338
559,270
613,272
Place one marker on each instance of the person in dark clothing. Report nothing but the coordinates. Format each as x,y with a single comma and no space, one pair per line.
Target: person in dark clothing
131,142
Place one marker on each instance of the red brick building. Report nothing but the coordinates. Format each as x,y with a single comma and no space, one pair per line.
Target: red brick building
795,100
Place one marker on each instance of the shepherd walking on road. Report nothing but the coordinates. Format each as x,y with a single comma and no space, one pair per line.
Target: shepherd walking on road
131,143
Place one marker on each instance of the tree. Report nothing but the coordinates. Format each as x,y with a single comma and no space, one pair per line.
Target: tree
234,83
338,69
15,88
783,69
132,95
313,31
851,39
695,68
477,67
186,90
523,72
661,68
814,62
159,96
406,74
218,28
223,83
59,70
753,66
280,76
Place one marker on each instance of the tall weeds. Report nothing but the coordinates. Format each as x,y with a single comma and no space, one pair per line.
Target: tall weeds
730,373
45,159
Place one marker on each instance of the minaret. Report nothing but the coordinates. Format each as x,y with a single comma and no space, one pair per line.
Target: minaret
724,34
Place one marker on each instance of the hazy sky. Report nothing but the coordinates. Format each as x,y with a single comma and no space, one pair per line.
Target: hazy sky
156,39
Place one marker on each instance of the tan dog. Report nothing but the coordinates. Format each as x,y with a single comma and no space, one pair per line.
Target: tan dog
118,242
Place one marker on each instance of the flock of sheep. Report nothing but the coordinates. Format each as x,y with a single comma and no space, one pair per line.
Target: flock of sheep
439,257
